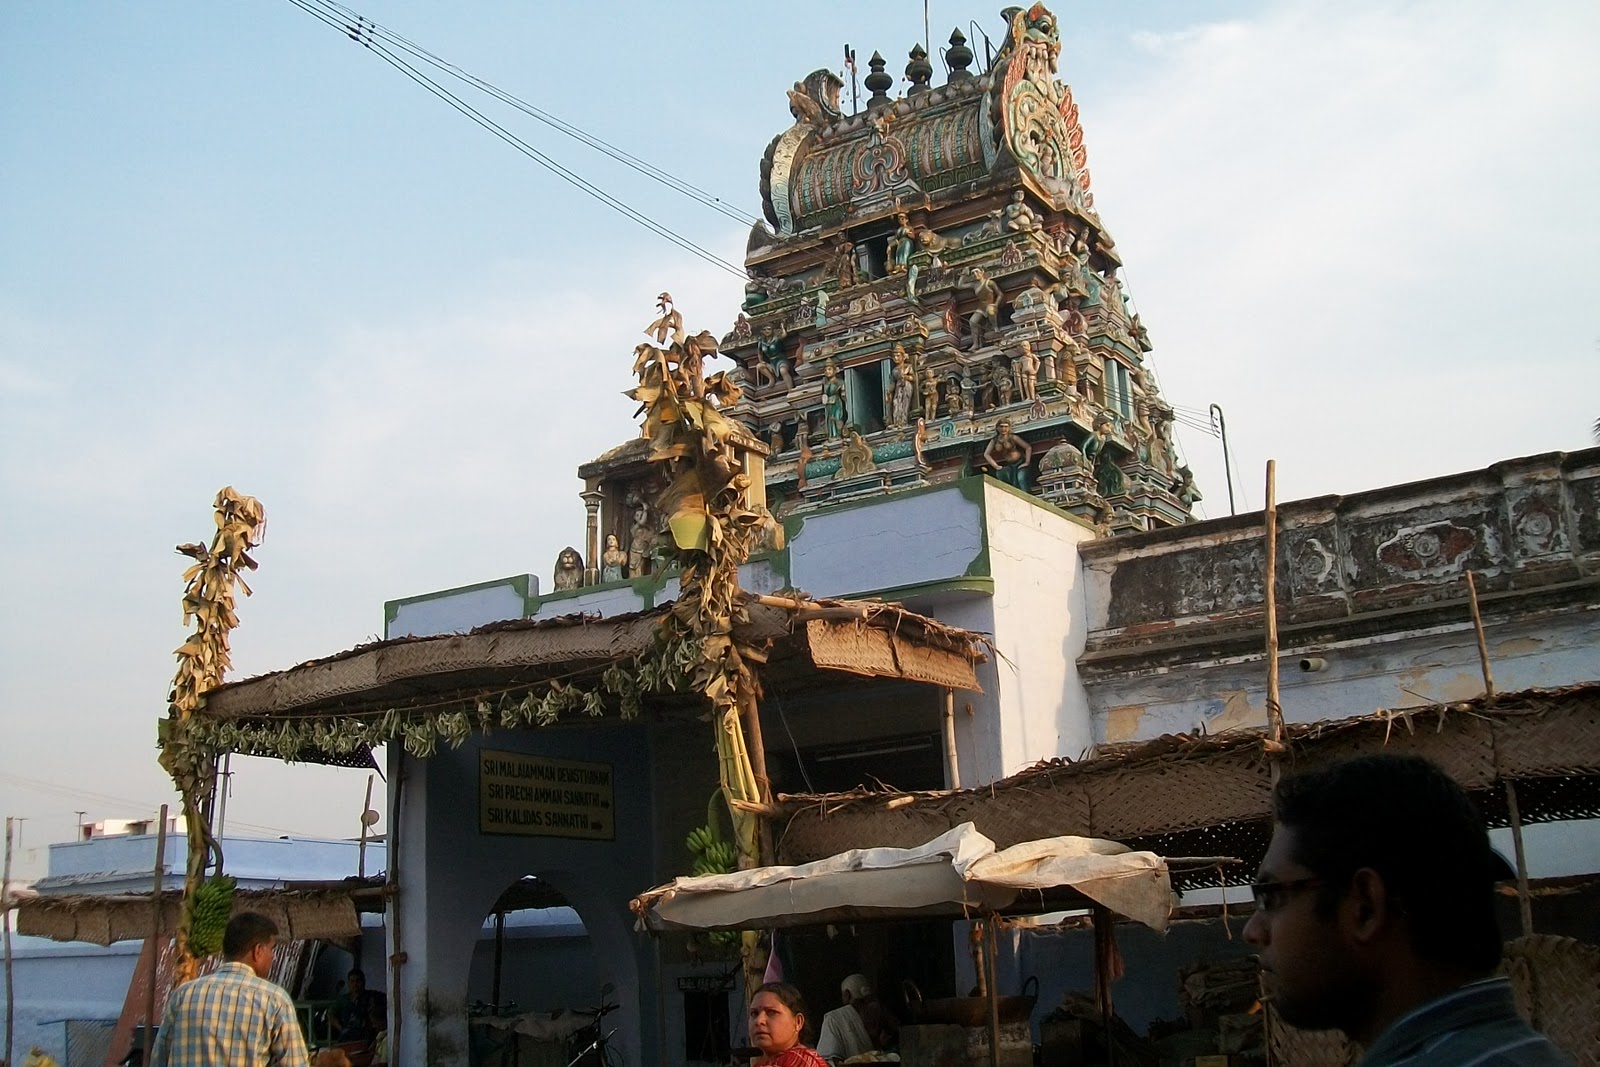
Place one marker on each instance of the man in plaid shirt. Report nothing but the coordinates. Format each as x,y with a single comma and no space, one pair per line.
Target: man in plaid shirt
234,1017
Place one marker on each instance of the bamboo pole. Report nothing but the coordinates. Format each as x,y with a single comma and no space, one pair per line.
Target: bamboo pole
5,921
1524,897
951,762
155,932
1274,707
1483,645
991,949
361,850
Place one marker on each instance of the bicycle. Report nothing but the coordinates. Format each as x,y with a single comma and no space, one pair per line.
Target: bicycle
597,1052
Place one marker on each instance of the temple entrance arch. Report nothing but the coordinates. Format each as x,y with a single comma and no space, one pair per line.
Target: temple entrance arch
538,971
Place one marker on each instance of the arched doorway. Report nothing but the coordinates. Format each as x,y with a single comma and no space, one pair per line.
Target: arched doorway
535,982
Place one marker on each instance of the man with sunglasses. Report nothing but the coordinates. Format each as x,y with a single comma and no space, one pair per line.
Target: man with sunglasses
1375,916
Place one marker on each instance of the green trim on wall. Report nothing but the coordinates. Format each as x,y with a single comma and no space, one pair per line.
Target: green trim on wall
982,585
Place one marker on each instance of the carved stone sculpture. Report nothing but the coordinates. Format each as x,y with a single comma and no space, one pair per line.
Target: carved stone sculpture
899,393
930,394
1000,377
1019,216
569,569
1107,475
987,316
1007,456
613,561
774,359
833,413
1026,369
856,459
641,537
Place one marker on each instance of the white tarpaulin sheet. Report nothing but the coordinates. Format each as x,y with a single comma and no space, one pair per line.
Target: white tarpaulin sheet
957,872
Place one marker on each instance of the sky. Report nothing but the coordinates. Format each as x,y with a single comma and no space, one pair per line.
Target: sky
237,248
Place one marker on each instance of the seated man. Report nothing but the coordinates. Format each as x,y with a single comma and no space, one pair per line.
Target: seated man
860,1025
1375,916
359,1013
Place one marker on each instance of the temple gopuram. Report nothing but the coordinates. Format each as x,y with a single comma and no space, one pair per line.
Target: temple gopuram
931,295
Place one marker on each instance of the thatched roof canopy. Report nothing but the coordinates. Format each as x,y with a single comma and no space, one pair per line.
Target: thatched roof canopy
808,642
1211,795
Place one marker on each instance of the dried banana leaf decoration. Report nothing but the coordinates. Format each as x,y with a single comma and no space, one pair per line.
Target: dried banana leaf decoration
208,600
714,529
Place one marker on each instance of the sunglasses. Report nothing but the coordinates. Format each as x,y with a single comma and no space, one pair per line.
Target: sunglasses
1270,895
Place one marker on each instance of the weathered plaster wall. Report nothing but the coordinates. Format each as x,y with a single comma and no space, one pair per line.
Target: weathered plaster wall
1360,676
1372,591
451,875
1039,629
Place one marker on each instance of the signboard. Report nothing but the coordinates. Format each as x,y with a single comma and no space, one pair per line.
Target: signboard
705,983
536,796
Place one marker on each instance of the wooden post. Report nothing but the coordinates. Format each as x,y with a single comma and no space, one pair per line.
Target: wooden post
1103,921
991,949
361,850
1524,898
758,764
499,955
951,763
1483,645
1274,708
5,921
150,1020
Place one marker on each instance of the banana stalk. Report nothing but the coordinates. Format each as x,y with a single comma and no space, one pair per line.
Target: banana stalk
714,529
203,662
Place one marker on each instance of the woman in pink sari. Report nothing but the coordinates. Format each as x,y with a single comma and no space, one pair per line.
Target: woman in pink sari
777,1019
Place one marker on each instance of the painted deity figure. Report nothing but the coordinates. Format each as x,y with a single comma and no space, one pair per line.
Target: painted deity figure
820,316
844,264
1007,457
954,403
1019,216
1107,475
1026,369
987,316
833,413
901,245
641,537
770,348
899,398
926,257
1087,275
930,394
1000,384
569,569
613,561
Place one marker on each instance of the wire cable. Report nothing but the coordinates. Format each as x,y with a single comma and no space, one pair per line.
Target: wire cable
365,26
567,175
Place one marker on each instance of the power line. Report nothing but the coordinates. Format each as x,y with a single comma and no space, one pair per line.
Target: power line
111,800
565,174
366,26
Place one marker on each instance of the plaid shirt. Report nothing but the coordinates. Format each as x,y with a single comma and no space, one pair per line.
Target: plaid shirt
230,1018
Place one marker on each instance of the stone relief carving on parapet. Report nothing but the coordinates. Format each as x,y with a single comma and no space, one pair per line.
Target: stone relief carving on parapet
1427,551
1536,527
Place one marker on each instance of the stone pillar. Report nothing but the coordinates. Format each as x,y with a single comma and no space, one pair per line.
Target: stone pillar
591,560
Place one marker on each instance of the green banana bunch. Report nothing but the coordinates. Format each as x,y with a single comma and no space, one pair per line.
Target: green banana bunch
213,907
713,854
